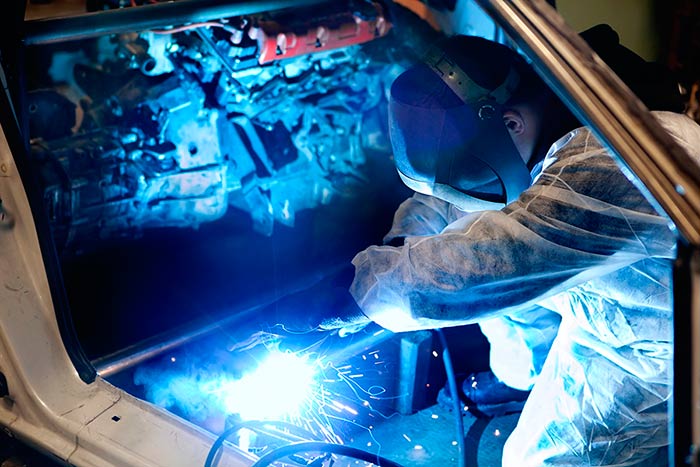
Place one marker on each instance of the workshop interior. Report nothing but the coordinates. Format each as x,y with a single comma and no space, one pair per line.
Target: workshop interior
208,180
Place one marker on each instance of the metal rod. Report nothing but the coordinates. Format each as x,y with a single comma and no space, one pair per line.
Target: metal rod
128,357
146,17
133,355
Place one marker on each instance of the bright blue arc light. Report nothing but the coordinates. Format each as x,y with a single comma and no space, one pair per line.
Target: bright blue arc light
276,389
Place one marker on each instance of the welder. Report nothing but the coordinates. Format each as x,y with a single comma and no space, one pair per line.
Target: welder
524,223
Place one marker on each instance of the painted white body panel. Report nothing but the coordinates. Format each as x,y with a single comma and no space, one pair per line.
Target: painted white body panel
49,406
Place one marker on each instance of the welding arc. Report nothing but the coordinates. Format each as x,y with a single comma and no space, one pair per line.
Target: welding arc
329,448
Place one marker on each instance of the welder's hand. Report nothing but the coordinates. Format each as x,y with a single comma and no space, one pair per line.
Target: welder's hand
349,319
329,309
326,306
319,308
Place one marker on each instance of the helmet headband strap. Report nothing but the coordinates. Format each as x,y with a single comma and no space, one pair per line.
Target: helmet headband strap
463,86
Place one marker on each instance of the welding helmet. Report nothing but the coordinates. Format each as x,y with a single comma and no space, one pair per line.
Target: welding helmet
446,124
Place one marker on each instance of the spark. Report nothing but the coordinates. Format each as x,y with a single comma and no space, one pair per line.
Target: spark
300,387
303,388
344,407
276,388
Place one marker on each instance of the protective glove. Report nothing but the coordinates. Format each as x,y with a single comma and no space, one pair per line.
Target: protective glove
348,318
326,306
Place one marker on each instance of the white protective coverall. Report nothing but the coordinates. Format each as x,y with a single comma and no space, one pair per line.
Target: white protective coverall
583,242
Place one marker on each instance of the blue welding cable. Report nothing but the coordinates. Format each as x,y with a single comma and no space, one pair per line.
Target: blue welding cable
329,448
456,405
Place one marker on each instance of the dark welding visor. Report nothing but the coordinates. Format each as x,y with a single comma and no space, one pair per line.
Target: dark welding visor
457,151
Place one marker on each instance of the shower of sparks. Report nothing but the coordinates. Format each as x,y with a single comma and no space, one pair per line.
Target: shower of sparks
303,388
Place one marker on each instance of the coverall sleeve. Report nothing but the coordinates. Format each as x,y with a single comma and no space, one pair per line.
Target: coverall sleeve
419,216
581,218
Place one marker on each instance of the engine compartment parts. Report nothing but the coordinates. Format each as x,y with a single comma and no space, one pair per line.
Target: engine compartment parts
266,114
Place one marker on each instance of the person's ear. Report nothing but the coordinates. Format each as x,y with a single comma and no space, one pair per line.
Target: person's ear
523,127
514,122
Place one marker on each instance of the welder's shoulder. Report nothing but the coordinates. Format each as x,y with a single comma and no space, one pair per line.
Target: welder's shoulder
579,155
684,130
579,163
576,147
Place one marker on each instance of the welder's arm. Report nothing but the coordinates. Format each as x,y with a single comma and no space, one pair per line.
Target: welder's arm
419,216
581,219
